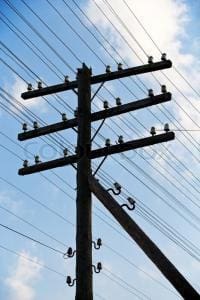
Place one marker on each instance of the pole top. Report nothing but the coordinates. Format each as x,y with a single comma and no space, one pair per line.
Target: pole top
84,68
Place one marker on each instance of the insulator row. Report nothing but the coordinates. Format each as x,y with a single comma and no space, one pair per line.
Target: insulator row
108,70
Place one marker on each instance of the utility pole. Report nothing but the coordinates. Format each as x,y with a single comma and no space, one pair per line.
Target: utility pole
84,202
84,153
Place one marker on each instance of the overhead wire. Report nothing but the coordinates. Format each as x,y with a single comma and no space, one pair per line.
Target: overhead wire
73,12
91,23
158,48
38,33
130,46
32,261
31,238
131,34
95,214
113,249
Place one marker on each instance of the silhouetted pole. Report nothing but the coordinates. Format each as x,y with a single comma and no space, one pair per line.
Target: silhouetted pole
84,289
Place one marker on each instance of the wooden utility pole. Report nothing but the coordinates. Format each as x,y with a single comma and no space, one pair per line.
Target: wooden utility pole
83,156
84,210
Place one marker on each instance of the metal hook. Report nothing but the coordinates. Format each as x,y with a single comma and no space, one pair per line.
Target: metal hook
98,244
117,187
70,282
131,202
98,268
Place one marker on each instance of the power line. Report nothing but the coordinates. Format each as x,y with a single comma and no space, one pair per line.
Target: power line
158,48
37,33
57,186
124,25
113,25
113,227
32,261
31,238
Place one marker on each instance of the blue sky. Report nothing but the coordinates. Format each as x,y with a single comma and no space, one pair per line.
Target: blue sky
157,177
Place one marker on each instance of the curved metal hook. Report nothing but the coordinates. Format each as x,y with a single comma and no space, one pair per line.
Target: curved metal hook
98,268
113,191
70,282
128,207
98,244
131,203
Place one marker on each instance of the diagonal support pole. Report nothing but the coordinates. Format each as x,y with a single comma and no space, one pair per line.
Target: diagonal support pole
170,272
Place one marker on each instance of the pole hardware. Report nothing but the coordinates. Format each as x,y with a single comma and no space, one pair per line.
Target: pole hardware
130,205
97,269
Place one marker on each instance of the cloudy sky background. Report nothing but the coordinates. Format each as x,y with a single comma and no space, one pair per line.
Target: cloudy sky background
158,177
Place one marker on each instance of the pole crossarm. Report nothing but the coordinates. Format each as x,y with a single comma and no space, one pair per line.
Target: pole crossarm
103,114
98,79
131,145
44,166
86,183
144,242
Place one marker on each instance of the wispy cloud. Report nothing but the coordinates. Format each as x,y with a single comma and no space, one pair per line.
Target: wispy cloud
21,281
168,24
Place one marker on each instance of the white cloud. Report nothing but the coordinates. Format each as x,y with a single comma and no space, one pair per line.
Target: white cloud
21,281
7,200
168,24
16,89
